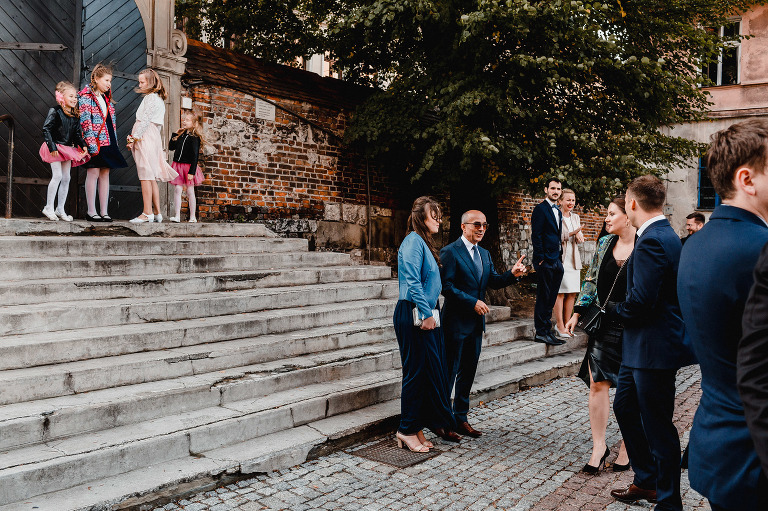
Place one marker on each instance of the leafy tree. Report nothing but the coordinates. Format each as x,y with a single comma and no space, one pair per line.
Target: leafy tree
495,95
276,30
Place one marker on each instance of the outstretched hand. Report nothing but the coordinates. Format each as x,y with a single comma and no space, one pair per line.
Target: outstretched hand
519,268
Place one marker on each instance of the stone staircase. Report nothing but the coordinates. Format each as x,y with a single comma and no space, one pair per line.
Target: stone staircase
164,360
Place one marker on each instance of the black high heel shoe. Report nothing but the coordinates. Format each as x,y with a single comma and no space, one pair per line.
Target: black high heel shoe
591,469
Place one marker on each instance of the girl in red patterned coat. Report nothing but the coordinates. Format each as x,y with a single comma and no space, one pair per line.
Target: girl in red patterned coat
97,120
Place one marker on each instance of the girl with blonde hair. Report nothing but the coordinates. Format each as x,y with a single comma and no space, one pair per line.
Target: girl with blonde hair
147,146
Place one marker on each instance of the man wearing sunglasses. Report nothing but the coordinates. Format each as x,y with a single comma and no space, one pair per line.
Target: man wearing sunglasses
546,225
467,270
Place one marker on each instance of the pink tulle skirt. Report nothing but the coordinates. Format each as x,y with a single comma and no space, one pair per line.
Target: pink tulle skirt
66,153
150,158
183,170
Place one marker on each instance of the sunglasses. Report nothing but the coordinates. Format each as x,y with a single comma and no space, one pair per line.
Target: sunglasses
478,225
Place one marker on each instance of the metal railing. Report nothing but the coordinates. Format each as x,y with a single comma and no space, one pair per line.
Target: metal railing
8,119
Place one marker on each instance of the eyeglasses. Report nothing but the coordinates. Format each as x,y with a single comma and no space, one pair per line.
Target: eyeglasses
478,225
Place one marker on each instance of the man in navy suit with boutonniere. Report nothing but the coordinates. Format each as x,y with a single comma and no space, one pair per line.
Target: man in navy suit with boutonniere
467,270
654,347
546,227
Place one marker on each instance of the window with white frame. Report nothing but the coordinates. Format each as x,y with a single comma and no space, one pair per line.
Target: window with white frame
726,70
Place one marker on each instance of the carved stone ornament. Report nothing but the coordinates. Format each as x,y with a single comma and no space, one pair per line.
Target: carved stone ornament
178,43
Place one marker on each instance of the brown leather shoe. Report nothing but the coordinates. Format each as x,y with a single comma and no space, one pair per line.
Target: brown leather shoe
448,435
465,429
632,494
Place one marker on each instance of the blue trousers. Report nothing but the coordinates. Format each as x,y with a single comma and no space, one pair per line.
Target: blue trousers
425,398
463,354
548,278
644,407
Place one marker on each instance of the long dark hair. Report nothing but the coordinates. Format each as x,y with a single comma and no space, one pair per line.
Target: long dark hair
422,207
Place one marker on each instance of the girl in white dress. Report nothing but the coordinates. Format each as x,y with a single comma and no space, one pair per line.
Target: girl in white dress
147,146
571,283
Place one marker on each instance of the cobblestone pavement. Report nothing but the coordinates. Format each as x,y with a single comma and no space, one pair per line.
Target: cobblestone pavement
529,458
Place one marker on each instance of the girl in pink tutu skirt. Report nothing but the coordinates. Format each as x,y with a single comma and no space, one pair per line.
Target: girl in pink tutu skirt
147,146
63,148
186,146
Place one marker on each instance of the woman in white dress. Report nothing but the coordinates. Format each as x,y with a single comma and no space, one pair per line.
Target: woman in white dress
571,283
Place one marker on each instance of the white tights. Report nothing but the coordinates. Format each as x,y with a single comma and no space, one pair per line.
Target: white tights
190,199
92,177
59,182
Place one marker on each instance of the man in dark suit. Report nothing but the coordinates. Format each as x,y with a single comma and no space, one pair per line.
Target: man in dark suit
654,347
467,270
716,273
546,228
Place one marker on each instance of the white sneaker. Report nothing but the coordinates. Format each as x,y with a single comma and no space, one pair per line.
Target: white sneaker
139,220
174,219
48,212
193,220
64,216
158,218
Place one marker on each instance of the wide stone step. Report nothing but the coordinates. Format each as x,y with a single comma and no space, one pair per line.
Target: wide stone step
60,464
46,317
192,388
290,443
84,246
41,227
19,269
103,288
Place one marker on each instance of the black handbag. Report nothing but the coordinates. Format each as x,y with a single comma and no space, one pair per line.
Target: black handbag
592,318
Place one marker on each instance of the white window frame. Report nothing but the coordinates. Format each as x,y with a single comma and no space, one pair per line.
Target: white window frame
737,45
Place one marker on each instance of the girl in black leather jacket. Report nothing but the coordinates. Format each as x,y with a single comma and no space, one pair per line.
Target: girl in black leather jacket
63,148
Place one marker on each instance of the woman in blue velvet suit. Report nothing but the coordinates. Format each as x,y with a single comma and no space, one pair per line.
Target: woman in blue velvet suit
424,400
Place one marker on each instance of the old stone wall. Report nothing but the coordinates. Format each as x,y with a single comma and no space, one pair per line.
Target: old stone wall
295,177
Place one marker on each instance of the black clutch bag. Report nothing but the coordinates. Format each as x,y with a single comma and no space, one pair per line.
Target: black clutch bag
591,320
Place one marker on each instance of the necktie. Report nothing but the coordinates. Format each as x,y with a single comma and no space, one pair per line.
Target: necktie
478,262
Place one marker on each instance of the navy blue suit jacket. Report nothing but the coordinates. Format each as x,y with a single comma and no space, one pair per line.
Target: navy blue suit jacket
654,334
462,289
713,284
545,235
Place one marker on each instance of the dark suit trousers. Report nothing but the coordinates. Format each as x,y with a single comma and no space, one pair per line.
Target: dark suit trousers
644,405
548,278
463,354
425,398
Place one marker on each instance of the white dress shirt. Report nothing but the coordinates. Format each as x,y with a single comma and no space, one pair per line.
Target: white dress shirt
555,210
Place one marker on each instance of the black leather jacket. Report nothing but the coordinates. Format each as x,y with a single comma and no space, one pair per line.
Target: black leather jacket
59,128
186,149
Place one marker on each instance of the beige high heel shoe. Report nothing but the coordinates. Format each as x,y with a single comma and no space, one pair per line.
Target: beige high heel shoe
402,440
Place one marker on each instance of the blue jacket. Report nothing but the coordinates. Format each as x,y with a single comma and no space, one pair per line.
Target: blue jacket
545,235
418,274
654,334
462,289
713,283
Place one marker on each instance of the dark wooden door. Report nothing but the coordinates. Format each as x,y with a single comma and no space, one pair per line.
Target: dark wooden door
28,79
92,31
114,33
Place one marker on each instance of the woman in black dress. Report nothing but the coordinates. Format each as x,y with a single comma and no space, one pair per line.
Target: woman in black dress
600,368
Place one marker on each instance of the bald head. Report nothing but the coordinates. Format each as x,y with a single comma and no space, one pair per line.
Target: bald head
473,225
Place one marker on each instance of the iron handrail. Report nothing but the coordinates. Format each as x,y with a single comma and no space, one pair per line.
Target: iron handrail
8,119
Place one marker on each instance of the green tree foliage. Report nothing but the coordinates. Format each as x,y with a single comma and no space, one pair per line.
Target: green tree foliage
276,30
508,92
